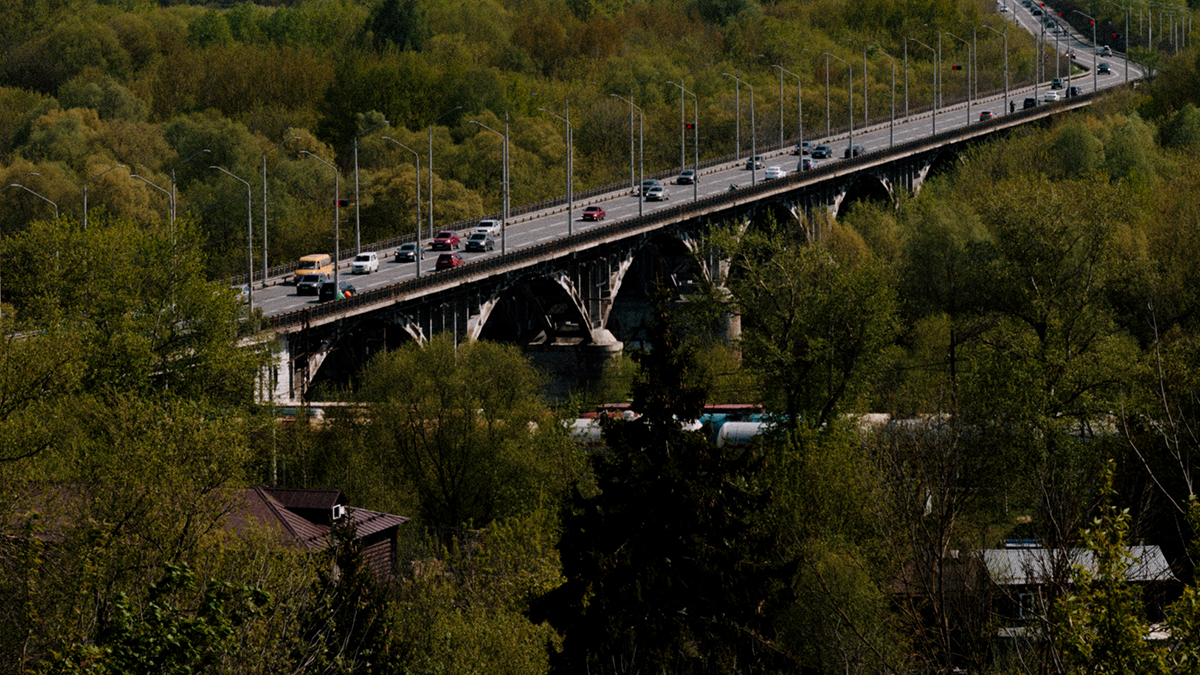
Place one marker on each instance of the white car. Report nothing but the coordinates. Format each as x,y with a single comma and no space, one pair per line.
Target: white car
365,263
491,227
774,172
1050,96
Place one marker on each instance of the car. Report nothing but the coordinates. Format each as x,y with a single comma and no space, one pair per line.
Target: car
853,151
309,284
804,148
774,172
408,252
481,241
1074,91
822,152
657,193
1058,83
807,164
1030,102
649,183
1057,29
1070,53
1037,11
593,213
686,177
1103,68
445,240
243,292
448,261
365,263
1050,97
328,291
985,115
755,162
1105,51
492,227
1026,3
315,263
1003,8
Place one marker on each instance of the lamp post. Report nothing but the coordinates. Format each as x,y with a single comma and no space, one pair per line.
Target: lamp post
435,121
968,45
337,204
799,108
753,133
249,241
571,160
850,92
1004,35
503,179
264,200
567,159
85,189
1095,48
417,157
892,121
695,141
357,236
174,199
18,185
641,157
35,194
936,63
170,199
632,166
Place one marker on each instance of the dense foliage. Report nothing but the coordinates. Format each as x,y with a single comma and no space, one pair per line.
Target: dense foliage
1028,321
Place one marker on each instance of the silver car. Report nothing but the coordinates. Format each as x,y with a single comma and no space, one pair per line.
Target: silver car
657,193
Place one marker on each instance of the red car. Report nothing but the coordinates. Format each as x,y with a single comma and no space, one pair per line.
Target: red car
448,261
593,213
445,240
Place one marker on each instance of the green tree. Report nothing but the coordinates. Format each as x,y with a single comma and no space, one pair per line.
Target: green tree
463,430
670,567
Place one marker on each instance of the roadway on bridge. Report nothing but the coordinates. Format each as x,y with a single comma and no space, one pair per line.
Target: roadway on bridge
552,223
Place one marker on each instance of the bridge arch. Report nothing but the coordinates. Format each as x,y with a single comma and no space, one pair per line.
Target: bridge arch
864,187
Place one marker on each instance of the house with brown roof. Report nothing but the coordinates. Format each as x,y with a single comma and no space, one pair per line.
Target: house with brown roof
306,517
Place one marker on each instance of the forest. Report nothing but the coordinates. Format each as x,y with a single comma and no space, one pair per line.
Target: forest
1026,321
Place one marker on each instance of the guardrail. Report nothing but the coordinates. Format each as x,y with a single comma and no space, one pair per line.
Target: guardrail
674,213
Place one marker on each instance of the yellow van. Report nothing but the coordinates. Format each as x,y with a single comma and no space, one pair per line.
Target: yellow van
317,263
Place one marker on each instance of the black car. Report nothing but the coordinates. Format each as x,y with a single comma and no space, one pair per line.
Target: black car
822,152
327,290
853,151
1103,68
309,284
1030,102
1074,91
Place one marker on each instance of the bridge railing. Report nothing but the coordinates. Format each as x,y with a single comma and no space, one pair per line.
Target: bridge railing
674,213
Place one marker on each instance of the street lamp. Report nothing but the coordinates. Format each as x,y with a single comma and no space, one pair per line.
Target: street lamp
174,198
503,179
337,204
1095,48
85,189
435,121
264,178
892,123
357,237
18,184
968,45
170,198
571,158
753,132
249,241
850,90
1004,35
417,157
799,108
695,141
641,167
632,168
936,65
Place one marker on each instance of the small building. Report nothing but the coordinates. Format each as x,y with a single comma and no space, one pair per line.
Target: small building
305,517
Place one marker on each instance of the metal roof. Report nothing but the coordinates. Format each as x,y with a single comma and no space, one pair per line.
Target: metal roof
1032,566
